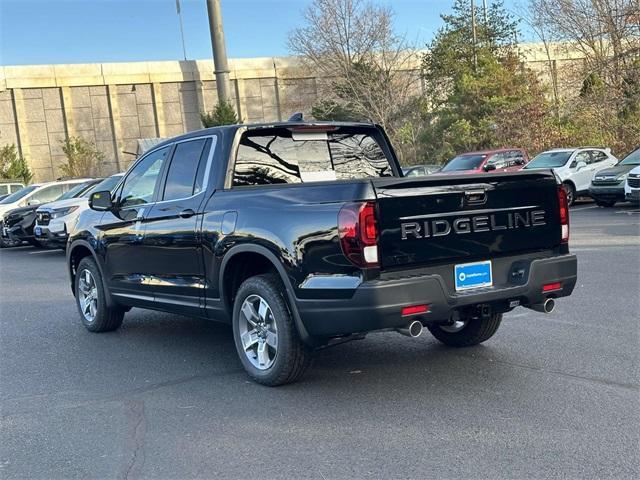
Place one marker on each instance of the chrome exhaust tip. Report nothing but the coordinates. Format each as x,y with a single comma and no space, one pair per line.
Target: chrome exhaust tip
546,307
413,329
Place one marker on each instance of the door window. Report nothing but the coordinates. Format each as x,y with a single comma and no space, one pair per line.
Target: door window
498,159
598,156
47,194
140,184
581,157
4,189
186,171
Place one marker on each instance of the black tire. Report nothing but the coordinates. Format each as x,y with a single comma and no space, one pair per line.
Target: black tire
477,330
292,357
106,318
606,204
571,193
7,243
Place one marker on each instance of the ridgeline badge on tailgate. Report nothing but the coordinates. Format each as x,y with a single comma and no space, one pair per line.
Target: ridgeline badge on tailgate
472,221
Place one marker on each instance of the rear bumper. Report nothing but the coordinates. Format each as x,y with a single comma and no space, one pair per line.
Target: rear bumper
377,304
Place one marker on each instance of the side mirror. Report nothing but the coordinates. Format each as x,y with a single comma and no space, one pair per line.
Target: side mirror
580,165
34,201
101,201
488,167
519,161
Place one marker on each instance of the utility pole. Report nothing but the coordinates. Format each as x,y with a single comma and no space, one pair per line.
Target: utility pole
219,50
475,35
179,12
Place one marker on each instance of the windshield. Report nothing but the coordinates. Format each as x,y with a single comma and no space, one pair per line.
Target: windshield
14,197
106,184
76,191
549,160
632,159
464,162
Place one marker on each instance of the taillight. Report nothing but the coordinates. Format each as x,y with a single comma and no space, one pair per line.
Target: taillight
564,214
358,233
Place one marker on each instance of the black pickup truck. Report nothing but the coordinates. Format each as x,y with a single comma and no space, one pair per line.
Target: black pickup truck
303,235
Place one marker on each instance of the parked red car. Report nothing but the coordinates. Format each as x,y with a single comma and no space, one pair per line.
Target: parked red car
499,160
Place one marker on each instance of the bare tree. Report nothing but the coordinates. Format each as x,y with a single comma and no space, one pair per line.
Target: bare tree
366,65
607,81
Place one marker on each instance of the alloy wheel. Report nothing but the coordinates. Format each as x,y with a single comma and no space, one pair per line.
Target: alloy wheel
258,332
88,295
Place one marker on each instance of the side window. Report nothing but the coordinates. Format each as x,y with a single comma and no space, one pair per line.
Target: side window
598,156
515,158
581,157
15,188
47,194
4,189
141,182
499,160
186,164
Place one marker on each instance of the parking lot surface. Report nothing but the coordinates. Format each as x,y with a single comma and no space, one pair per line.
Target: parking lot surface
165,396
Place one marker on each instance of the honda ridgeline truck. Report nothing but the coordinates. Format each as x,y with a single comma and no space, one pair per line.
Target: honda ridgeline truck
303,235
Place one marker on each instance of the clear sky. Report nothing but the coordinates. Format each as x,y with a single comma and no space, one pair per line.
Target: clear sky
84,31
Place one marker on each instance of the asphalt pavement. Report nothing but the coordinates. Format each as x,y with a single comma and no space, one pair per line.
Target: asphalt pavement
550,396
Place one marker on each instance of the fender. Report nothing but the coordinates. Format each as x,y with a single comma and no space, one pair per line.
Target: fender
265,252
87,245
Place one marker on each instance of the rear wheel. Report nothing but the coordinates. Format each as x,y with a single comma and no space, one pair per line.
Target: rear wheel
96,316
265,335
571,193
467,331
605,203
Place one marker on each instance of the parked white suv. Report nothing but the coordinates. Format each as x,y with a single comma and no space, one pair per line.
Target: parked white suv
55,220
575,166
632,186
7,187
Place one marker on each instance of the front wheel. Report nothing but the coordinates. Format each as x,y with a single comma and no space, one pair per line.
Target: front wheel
467,331
571,193
96,316
265,335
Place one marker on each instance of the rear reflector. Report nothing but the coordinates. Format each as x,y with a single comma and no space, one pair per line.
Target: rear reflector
414,310
550,287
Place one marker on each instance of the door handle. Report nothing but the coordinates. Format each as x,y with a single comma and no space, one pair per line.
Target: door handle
186,213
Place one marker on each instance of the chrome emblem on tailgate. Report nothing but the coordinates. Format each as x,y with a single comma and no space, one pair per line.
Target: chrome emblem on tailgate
472,221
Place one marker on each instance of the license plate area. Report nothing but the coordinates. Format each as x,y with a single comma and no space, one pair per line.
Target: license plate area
37,231
473,275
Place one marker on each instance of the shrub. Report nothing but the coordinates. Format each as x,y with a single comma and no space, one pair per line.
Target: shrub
13,166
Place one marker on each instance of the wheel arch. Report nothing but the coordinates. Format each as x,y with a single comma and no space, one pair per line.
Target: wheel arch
78,250
262,260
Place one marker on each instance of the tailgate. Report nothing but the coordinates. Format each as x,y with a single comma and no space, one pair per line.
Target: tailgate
464,218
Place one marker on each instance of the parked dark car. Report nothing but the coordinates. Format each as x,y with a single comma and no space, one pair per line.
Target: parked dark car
607,186
19,222
303,235
496,161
